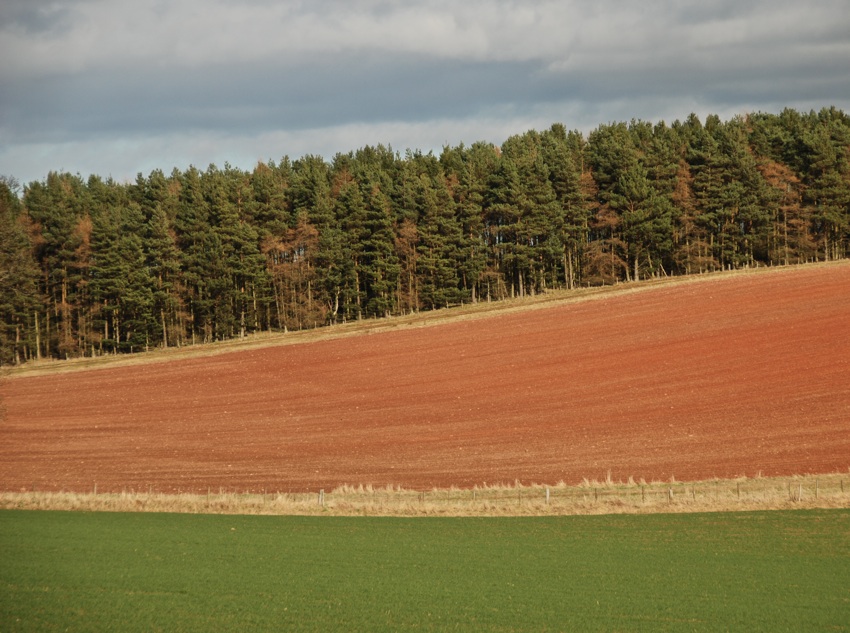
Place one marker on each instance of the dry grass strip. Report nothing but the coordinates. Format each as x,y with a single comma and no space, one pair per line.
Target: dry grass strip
589,497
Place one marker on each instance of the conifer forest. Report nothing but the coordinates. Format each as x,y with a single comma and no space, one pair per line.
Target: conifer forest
93,266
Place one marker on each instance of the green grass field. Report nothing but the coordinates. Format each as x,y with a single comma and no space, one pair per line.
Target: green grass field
763,571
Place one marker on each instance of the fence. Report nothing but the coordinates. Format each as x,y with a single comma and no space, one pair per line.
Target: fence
823,490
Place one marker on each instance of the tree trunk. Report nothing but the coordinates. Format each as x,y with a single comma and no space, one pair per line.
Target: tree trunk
66,318
37,338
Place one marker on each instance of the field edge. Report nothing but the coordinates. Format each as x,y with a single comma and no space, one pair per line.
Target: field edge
431,318
591,497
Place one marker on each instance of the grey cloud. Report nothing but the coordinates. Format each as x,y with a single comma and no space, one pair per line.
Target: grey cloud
35,16
715,11
213,70
249,99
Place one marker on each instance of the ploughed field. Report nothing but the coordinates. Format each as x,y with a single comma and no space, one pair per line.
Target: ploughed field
717,377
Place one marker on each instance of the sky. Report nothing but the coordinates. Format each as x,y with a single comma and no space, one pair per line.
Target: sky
121,87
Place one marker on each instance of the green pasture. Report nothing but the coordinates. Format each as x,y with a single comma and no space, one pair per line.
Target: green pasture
761,571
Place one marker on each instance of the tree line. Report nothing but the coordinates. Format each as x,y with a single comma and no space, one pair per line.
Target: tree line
90,267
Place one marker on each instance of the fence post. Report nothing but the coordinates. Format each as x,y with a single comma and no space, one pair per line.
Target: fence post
642,494
547,495
322,497
817,489
800,493
670,495
738,486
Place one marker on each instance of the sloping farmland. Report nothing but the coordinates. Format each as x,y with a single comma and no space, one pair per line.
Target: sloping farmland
718,376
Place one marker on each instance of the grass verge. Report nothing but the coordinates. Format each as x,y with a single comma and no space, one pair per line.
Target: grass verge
766,571
589,497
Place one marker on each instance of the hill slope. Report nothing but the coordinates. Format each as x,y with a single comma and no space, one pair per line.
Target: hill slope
729,375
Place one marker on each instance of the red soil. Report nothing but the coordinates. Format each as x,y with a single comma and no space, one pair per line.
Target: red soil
728,376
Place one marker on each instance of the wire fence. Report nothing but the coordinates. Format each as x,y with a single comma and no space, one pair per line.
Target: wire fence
765,491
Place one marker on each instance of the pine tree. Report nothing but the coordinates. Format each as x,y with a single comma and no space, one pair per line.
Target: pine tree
272,209
790,239
163,261
440,239
379,261
343,251
56,208
19,297
826,147
563,154
197,247
622,189
709,168
241,268
467,171
121,283
501,218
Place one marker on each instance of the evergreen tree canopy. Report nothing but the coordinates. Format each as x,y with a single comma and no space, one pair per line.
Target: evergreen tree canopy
94,267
